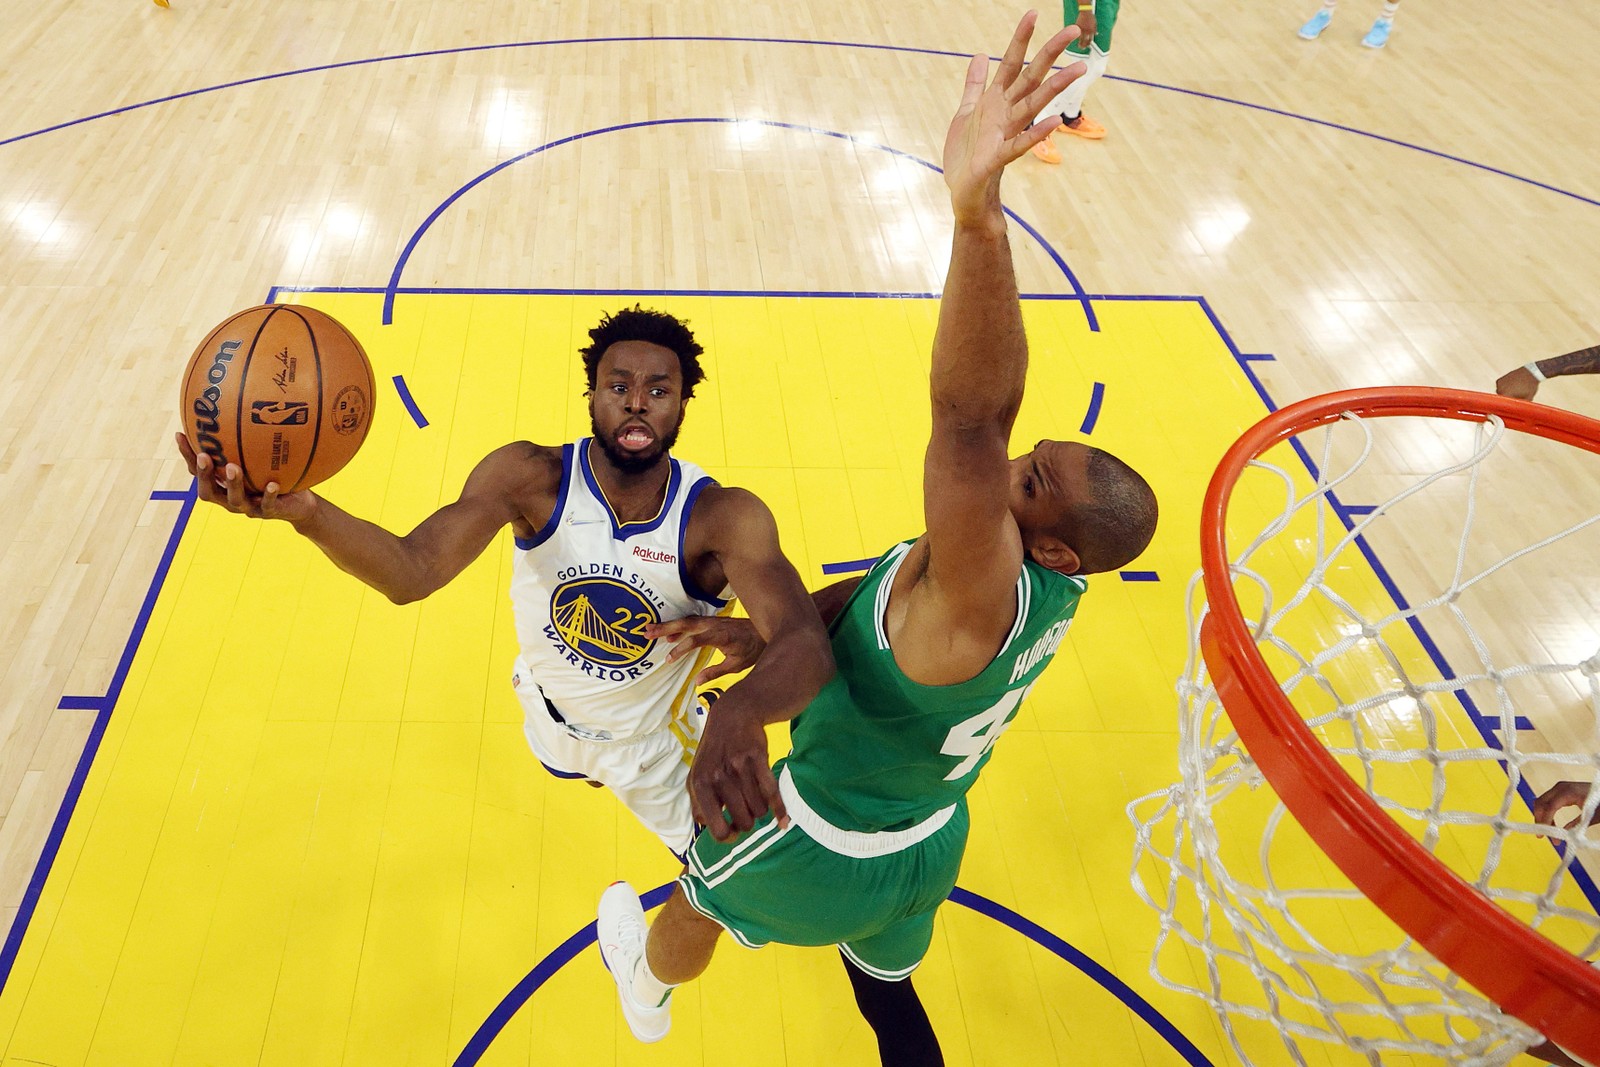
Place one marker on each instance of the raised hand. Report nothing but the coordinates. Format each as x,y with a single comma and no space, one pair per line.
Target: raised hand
994,124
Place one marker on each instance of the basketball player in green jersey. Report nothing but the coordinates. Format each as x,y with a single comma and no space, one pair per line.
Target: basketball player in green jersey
1095,20
935,647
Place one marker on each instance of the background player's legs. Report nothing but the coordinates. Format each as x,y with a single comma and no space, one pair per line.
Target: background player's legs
1378,36
1319,22
1068,104
896,1015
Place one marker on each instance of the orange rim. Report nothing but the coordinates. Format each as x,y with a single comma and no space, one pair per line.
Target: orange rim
1523,972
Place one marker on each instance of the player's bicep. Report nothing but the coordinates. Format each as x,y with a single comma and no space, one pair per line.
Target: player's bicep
973,544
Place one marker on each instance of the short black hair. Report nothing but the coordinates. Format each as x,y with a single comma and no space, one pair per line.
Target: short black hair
655,327
1116,523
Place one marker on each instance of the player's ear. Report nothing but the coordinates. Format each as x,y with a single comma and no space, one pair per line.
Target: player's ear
1054,554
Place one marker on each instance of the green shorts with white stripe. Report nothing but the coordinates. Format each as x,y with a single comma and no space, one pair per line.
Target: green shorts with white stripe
873,895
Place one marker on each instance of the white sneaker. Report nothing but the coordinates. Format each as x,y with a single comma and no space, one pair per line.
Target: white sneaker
620,929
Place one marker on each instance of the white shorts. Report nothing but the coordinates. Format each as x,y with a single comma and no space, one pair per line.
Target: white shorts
649,774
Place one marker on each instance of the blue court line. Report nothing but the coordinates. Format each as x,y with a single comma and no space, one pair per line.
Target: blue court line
564,953
1139,576
445,205
707,38
411,405
169,494
1090,417
850,566
1106,979
503,290
103,707
1518,722
1260,357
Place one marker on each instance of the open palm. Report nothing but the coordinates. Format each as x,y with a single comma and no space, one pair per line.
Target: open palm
994,124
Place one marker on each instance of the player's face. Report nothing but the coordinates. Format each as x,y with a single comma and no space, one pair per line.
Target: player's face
637,404
1046,482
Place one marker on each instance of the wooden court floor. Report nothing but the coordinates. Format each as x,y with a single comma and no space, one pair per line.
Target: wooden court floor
252,812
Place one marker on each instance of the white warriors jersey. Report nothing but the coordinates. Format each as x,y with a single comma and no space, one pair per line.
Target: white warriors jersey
584,587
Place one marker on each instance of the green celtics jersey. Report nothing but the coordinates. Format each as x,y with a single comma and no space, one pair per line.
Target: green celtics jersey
877,751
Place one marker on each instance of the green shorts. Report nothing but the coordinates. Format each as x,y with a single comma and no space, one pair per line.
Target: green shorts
1105,19
873,895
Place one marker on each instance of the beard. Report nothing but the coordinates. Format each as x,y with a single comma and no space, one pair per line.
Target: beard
634,462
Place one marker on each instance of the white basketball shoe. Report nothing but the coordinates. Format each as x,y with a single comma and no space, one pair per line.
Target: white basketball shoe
620,929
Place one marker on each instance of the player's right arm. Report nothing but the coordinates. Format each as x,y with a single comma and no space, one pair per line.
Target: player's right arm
954,601
502,489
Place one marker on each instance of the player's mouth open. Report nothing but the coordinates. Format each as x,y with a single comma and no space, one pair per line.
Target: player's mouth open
635,438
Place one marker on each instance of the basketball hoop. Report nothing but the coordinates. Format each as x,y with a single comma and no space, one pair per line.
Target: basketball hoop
1516,938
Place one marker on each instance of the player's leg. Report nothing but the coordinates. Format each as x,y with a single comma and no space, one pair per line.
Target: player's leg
1319,22
1067,106
649,960
650,776
897,1017
1378,36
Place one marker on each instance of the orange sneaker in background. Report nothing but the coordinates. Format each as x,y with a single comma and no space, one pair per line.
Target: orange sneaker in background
1046,150
1084,127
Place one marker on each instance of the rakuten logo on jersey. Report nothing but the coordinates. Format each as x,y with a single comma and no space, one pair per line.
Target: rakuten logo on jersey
650,555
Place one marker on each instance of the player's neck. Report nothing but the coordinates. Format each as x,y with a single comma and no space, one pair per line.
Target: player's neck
634,496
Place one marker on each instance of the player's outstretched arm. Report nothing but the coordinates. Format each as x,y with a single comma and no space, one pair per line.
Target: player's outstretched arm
401,568
1523,383
980,353
731,783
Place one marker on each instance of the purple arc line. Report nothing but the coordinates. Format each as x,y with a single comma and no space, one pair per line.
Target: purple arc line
405,254
711,39
565,952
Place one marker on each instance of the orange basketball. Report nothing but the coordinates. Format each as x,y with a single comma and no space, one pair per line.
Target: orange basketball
283,391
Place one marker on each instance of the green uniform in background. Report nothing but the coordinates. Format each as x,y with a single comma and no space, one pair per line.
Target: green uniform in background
1105,17
876,788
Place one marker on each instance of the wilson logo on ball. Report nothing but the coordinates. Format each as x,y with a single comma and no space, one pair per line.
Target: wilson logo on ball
206,408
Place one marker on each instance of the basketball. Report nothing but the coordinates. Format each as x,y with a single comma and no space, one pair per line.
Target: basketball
285,392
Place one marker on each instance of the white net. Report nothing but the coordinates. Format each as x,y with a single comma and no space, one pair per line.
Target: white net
1453,707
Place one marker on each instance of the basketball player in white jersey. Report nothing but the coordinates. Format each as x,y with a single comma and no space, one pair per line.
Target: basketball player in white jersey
612,535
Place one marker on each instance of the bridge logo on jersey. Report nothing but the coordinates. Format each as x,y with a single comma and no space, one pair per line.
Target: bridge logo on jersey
602,621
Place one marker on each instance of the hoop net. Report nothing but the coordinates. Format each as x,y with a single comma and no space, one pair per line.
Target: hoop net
1405,723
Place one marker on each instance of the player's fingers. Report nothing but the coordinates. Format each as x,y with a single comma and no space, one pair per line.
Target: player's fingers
233,476
715,671
187,450
269,499
1039,69
685,644
1016,51
707,811
773,797
742,810
1037,100
977,75
673,629
205,482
